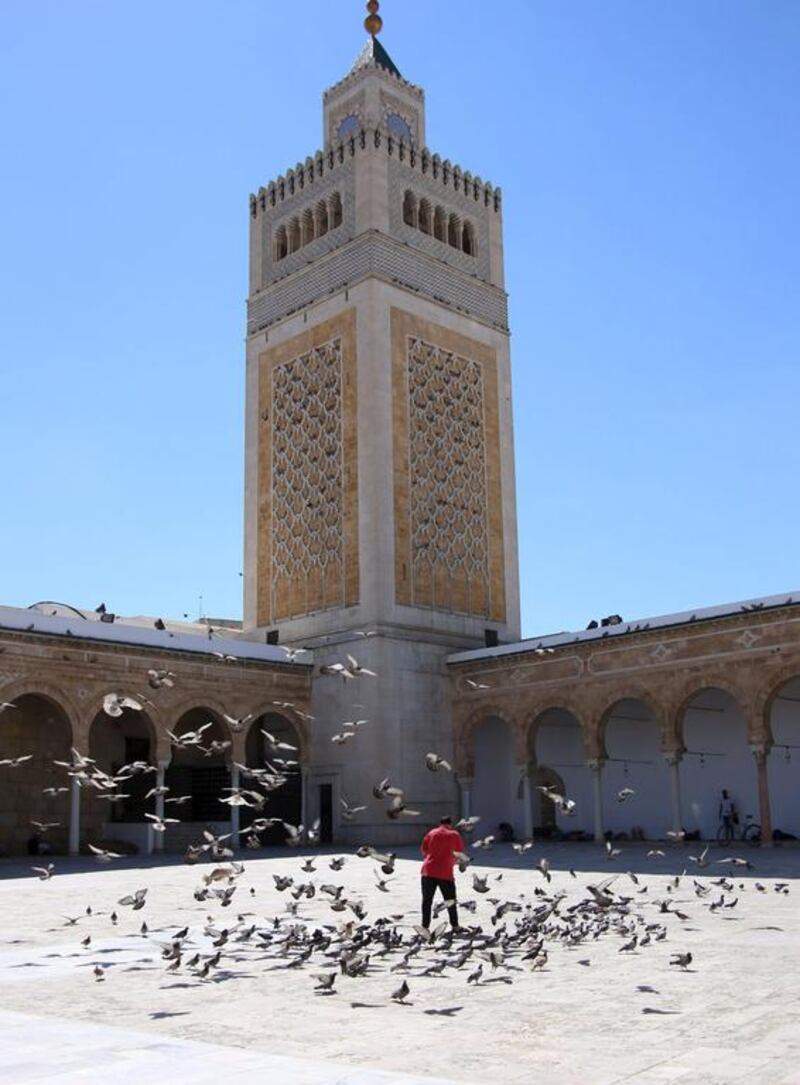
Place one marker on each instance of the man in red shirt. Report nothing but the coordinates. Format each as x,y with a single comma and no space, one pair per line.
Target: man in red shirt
439,847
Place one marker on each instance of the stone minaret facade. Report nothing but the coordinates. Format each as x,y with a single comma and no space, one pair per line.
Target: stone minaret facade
379,455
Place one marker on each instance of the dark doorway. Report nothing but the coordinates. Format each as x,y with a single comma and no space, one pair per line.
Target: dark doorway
284,802
545,823
326,813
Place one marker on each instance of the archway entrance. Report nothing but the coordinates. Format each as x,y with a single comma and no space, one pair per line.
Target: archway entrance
557,750
284,802
497,786
717,756
37,726
115,741
201,773
634,761
544,810
783,763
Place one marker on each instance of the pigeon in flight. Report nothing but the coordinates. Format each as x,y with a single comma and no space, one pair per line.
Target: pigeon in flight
114,704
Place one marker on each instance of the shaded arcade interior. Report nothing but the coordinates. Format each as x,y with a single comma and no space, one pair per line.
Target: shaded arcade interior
39,727
641,781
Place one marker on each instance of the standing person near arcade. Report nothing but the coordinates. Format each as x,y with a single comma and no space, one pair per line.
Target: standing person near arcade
439,847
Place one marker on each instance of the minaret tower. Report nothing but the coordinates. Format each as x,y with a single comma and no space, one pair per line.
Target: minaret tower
379,453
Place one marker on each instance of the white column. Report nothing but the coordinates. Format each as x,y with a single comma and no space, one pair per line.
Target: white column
304,795
235,810
465,783
761,753
597,783
74,816
674,761
156,840
526,799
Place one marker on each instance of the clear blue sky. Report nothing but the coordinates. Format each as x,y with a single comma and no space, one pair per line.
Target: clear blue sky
649,159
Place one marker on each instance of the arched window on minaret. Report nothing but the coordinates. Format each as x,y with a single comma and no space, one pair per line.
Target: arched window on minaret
294,235
425,216
468,239
454,232
281,245
322,218
440,224
335,210
410,208
308,226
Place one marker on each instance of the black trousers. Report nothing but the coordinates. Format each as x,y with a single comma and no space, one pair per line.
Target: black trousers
448,891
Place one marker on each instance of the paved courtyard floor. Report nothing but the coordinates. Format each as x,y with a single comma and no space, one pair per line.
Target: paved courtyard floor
592,1015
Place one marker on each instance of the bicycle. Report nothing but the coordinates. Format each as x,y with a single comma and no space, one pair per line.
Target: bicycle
749,833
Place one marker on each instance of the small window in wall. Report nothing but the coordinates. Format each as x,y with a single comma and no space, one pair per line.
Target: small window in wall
398,126
302,229
348,127
439,224
445,226
294,235
410,209
322,218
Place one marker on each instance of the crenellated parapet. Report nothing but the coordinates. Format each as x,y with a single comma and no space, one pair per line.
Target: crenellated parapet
371,140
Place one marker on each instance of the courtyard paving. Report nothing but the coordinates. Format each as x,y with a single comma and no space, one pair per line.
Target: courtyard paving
593,1014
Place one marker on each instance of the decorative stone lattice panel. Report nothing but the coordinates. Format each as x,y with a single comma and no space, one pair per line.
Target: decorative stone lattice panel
448,505
307,476
447,461
307,551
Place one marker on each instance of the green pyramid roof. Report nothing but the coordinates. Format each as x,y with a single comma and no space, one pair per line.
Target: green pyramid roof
374,52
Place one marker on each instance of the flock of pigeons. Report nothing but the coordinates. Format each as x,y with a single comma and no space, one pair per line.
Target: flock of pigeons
505,934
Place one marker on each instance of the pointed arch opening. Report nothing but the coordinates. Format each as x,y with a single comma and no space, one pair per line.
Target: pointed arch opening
631,736
36,727
335,210
409,208
717,756
282,785
308,226
496,793
425,216
295,235
557,748
200,773
440,224
454,231
281,244
322,218
114,742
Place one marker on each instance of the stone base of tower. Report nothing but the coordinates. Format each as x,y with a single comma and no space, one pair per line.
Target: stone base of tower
407,707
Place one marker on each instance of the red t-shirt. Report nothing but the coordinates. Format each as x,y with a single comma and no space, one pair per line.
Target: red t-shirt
438,847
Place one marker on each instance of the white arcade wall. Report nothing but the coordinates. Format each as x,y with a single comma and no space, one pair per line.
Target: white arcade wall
559,745
717,756
496,789
633,746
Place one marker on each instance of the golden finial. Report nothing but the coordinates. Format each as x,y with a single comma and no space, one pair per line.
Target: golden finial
373,22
